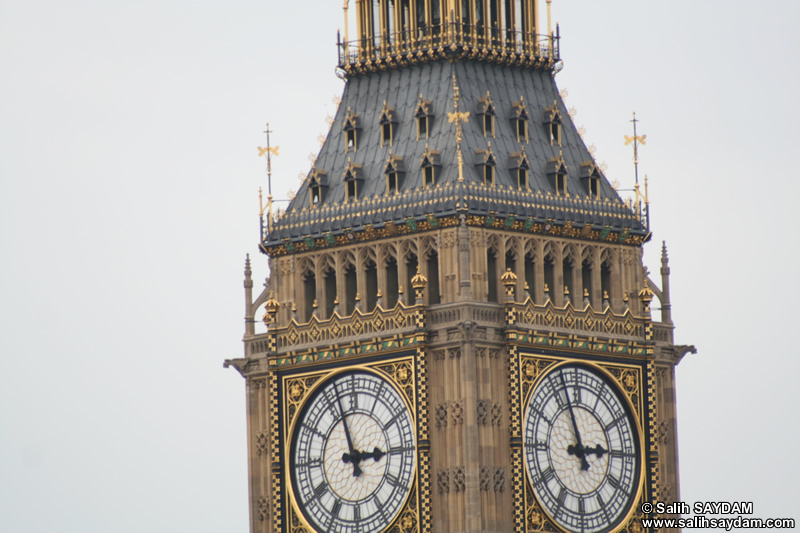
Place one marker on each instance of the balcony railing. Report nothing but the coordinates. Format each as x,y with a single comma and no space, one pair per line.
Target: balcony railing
466,37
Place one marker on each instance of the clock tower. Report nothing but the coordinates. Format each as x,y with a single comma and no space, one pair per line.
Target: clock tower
459,326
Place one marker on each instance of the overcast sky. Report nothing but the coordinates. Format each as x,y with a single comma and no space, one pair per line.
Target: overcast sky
129,197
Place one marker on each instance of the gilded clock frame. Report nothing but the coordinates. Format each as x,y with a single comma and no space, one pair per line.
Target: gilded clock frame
406,373
633,381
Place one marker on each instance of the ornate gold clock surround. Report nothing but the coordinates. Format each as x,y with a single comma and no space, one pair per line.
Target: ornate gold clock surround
290,388
634,380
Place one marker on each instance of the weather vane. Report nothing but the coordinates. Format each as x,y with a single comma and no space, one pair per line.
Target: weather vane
269,152
636,140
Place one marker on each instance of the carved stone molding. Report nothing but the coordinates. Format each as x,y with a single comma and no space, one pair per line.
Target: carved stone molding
497,415
457,412
492,478
263,509
441,415
262,442
443,480
484,406
459,478
499,479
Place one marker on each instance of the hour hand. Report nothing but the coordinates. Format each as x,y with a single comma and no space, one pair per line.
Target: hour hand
375,454
354,458
598,450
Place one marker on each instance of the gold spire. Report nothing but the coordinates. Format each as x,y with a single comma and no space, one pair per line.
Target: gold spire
458,118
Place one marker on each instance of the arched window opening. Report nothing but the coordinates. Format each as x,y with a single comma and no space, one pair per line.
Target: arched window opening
351,289
411,271
605,280
310,294
433,279
371,273
491,275
530,274
586,276
330,291
567,289
549,275
392,283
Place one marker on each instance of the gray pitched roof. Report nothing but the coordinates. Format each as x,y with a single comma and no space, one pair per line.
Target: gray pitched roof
400,89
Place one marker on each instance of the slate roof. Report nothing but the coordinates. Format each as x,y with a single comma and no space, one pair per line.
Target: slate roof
400,89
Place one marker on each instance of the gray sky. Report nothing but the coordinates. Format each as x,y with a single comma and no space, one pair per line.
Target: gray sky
128,199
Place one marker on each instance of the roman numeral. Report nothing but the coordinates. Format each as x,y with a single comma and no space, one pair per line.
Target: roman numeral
320,489
313,430
336,508
400,449
562,496
615,422
310,463
546,476
614,482
618,453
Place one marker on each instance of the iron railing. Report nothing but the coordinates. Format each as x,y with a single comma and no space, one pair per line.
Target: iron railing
432,37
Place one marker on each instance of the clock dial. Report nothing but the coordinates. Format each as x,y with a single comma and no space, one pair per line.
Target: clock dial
582,449
353,454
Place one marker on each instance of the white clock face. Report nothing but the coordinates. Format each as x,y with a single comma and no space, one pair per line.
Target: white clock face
353,454
582,449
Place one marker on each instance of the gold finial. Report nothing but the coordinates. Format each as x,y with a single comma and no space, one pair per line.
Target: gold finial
269,151
419,281
272,307
646,295
346,32
636,140
508,278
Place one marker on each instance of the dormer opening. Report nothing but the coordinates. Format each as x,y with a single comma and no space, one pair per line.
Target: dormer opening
561,184
423,116
553,123
520,167
486,160
557,171
391,183
350,129
317,187
590,176
520,120
353,181
488,174
387,125
393,171
386,134
429,167
486,109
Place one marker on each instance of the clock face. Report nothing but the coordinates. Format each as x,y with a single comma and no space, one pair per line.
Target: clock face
582,449
353,454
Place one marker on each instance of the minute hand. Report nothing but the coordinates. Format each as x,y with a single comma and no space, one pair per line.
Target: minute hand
353,456
576,450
